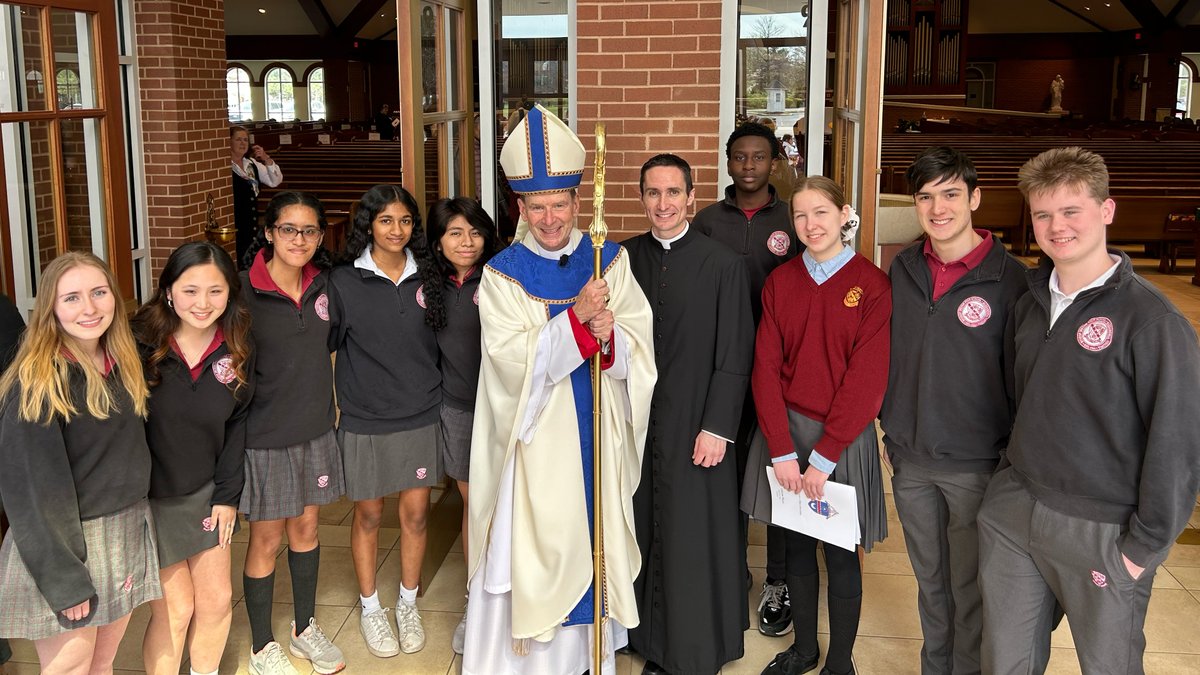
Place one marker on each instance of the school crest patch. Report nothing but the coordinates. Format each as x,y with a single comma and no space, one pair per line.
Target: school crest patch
1099,579
421,296
322,481
421,473
223,369
974,312
779,242
475,298
207,525
1095,334
321,305
128,585
853,297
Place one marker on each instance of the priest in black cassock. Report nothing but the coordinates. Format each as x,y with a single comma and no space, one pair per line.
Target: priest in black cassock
691,592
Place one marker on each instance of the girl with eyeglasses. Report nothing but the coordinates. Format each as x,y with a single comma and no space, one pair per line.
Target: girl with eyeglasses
74,473
387,295
194,335
293,465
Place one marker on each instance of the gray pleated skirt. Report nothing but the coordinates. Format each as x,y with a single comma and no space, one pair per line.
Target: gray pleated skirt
280,482
121,560
378,465
182,523
858,466
455,442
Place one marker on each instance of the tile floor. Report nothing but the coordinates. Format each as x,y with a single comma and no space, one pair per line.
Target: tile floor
889,640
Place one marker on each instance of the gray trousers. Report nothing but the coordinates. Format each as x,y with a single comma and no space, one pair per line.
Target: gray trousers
937,511
1032,556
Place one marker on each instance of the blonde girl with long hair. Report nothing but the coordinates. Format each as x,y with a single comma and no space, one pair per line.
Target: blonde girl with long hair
74,474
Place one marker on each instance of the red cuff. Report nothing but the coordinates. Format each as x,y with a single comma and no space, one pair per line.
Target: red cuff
587,343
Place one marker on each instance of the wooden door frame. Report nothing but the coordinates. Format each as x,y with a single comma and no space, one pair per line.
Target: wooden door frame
106,50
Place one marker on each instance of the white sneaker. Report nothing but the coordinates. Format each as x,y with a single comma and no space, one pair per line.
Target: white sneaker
271,661
312,644
377,631
412,633
460,633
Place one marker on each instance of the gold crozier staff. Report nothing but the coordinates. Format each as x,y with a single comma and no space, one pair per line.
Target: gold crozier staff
598,232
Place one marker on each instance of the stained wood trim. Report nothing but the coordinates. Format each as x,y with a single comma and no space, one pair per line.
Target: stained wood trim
872,122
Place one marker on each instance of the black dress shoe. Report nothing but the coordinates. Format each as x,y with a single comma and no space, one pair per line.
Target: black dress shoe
792,662
652,668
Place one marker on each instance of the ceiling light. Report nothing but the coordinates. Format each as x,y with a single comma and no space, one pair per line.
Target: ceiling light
261,10
1087,8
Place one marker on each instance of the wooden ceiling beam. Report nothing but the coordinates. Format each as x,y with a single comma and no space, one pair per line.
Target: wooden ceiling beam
318,16
358,19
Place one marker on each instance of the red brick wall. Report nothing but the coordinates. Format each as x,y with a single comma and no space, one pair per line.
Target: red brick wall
651,72
181,59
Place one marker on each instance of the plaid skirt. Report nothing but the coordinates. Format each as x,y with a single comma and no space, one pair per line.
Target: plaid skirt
378,465
121,560
455,442
280,482
181,525
858,466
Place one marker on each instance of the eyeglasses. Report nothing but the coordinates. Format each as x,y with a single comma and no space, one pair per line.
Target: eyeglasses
289,232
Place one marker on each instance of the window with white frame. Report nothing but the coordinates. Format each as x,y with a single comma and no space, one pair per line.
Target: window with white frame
316,94
281,101
1183,95
237,86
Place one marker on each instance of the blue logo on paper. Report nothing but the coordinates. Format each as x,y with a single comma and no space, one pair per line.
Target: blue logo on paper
822,508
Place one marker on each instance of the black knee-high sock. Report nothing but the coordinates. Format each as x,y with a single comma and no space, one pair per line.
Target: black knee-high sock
304,567
777,541
803,590
845,607
259,593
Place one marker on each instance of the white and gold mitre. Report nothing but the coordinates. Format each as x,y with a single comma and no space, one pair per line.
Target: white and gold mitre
542,155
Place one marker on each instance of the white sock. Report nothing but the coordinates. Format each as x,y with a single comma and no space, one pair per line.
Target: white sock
408,595
370,603
193,671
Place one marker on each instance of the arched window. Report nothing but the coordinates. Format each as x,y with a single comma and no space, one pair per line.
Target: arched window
237,87
1183,95
69,95
316,93
281,103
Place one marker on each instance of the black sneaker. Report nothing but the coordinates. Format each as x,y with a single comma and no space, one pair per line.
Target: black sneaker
774,609
791,662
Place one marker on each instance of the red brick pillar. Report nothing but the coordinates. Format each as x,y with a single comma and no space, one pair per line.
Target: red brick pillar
651,72
181,64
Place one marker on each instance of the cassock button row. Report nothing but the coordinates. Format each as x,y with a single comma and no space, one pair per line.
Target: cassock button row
664,268
663,285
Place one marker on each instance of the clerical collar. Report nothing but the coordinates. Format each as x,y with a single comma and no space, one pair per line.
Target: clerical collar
365,262
531,243
666,243
822,271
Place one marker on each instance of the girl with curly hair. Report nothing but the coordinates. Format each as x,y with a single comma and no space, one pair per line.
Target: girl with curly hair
386,303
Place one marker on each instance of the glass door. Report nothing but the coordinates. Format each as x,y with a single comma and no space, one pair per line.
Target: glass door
61,141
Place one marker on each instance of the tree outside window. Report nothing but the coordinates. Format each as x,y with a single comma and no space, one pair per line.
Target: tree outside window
237,86
316,93
281,102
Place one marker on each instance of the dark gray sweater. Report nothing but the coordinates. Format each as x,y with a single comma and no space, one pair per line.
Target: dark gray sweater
54,476
949,401
1107,422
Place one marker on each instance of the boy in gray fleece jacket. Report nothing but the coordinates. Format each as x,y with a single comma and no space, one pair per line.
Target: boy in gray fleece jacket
1101,470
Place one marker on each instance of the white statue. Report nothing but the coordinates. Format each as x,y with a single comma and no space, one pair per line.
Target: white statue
1056,92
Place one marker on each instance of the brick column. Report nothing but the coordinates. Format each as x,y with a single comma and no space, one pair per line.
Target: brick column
651,72
181,63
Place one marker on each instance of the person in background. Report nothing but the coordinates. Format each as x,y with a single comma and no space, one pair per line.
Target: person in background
293,464
74,473
252,168
463,238
194,334
753,221
385,304
385,123
820,371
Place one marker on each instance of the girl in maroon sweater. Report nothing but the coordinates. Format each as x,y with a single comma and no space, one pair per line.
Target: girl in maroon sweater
820,371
